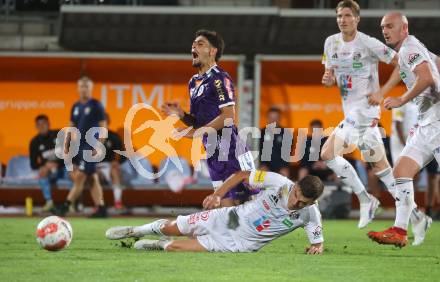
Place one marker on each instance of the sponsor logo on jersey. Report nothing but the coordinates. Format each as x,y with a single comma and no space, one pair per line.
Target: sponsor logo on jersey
218,87
402,75
413,57
317,232
287,223
261,223
335,56
357,65
259,176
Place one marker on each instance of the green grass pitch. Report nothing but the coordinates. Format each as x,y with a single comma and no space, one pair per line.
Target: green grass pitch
349,256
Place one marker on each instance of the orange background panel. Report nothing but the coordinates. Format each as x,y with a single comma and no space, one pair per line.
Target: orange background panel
33,86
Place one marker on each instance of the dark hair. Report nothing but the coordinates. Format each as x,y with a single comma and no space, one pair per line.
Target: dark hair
311,187
215,39
274,109
316,121
42,117
352,5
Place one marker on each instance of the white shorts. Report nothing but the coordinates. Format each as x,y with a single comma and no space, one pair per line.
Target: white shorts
423,144
210,229
364,137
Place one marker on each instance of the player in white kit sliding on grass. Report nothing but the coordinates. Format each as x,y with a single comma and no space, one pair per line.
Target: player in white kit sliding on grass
281,207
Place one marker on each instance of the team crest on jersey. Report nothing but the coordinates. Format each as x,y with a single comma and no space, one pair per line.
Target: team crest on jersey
356,63
294,215
413,57
87,110
261,223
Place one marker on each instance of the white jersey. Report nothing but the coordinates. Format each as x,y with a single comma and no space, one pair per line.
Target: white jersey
411,54
267,217
355,66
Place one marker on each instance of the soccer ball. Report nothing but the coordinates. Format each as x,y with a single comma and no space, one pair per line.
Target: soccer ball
54,233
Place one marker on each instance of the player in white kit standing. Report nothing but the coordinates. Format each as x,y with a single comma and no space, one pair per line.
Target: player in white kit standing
420,74
281,207
351,60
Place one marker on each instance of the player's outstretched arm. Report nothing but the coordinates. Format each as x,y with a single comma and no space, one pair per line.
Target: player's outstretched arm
424,79
213,201
172,108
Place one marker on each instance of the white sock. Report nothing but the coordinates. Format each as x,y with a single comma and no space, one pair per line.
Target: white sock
117,193
164,243
151,228
404,201
349,177
386,176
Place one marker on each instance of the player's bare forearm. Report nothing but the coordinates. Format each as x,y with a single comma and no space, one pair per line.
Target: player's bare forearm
102,124
219,122
213,200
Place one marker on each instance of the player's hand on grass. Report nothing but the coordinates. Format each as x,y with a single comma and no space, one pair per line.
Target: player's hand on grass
392,102
375,98
211,202
172,108
328,79
315,249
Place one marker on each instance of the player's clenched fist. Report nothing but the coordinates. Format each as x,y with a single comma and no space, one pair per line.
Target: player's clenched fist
328,79
211,202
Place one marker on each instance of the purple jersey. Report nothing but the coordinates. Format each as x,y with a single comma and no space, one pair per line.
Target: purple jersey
209,93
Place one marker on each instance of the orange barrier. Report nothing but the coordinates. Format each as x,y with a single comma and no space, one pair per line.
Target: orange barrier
32,86
295,87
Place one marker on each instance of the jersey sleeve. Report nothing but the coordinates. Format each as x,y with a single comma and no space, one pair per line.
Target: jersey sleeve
314,226
260,179
325,54
379,50
413,56
433,56
33,154
224,91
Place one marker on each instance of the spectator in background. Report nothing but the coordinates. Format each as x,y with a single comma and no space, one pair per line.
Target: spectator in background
43,158
110,167
311,163
85,114
273,134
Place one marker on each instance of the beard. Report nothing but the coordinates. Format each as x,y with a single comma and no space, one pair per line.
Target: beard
197,64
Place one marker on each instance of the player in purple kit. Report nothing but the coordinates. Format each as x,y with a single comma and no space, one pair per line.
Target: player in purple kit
213,106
